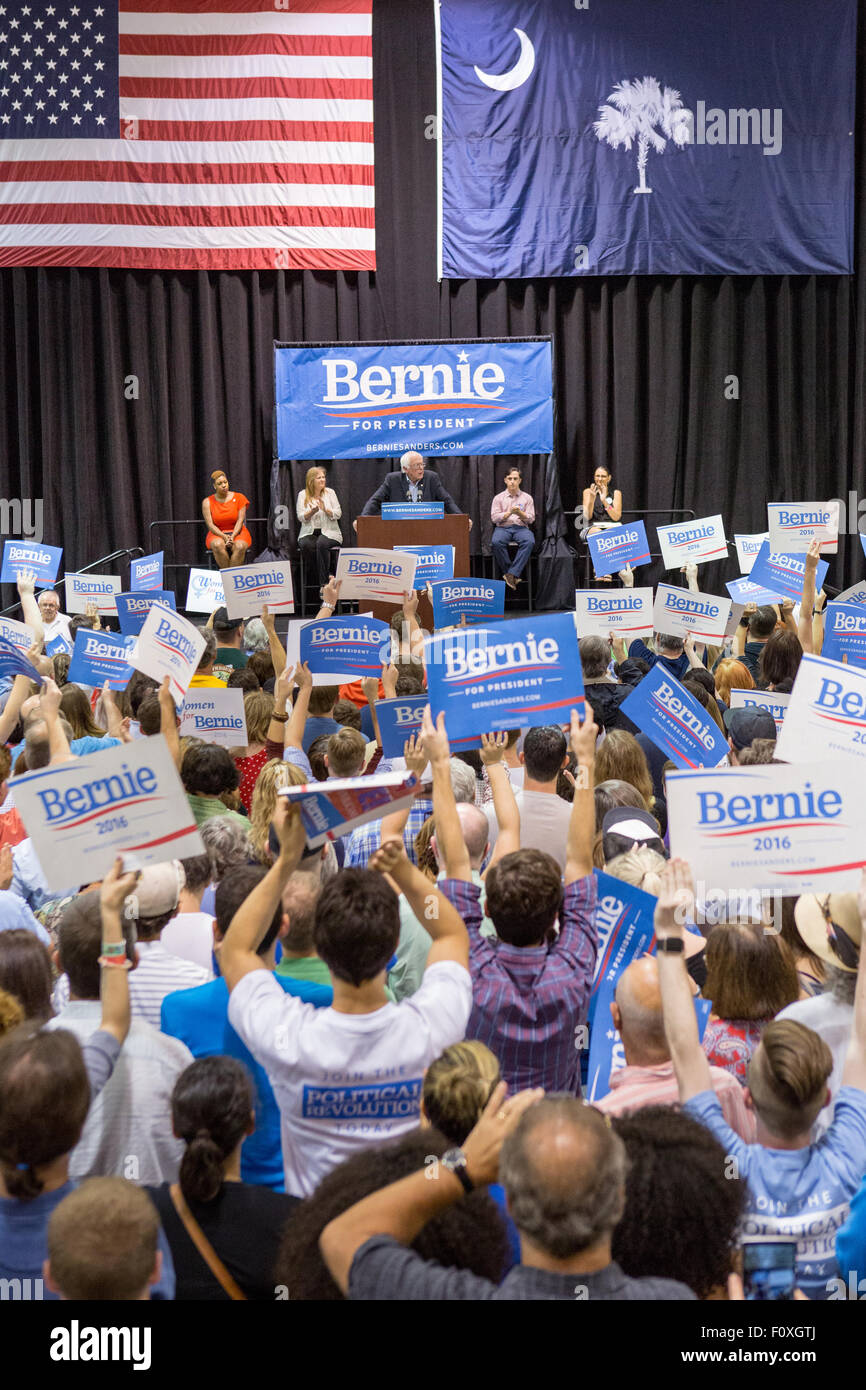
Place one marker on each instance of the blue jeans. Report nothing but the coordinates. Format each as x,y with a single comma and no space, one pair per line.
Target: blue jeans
525,546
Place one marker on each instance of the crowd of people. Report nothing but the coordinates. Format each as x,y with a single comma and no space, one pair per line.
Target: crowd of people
273,1072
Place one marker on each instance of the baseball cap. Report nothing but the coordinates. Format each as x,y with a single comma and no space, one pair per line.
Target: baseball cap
157,890
830,926
626,826
222,620
745,725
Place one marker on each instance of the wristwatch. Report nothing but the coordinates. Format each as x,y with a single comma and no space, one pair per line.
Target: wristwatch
454,1161
671,945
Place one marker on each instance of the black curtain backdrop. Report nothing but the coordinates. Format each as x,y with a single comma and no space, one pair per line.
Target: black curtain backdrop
641,366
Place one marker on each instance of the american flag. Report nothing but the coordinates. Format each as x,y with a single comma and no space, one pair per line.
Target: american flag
187,134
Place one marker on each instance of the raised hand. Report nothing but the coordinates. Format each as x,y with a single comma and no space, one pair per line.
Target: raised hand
676,898
117,886
584,736
436,745
414,755
493,748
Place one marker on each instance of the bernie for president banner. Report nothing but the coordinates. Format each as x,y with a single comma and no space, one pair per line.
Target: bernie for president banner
362,400
624,137
506,675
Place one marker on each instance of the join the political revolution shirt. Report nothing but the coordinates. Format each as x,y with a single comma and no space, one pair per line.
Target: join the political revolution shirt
799,1192
345,1081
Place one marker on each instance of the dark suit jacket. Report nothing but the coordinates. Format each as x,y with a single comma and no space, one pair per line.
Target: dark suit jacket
396,489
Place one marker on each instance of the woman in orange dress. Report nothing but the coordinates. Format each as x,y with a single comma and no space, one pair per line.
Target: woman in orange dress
225,513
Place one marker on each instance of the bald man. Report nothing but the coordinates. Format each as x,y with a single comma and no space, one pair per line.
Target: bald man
648,1075
413,483
413,947
563,1170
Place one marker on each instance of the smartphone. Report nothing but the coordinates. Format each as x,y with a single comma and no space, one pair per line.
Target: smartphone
769,1268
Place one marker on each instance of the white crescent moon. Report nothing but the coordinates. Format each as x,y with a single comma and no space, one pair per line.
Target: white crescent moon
522,70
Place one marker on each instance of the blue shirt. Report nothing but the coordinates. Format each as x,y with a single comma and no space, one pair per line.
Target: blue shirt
14,913
641,652
199,1017
799,1192
315,727
24,1245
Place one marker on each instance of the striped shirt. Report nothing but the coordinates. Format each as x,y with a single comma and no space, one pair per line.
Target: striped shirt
528,1001
363,842
157,974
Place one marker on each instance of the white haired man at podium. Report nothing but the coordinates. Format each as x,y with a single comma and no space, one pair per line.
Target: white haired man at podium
411,484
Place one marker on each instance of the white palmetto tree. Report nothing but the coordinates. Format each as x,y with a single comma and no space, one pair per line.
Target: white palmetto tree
640,110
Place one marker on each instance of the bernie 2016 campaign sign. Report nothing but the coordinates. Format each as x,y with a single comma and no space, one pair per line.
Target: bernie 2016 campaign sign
618,546
624,612
747,549
25,557
400,718
127,800
168,645
435,562
506,675
413,511
217,716
826,713
624,917
13,662
133,608
796,829
782,575
204,593
248,588
333,808
99,657
380,576
845,633
354,400
743,591
770,700
794,525
146,572
476,600
683,613
17,634
678,726
692,542
856,594
360,645
81,589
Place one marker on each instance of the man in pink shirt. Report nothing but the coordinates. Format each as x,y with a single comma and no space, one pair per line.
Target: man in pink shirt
512,513
648,1076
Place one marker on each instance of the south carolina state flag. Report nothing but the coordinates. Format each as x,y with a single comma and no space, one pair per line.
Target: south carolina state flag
656,137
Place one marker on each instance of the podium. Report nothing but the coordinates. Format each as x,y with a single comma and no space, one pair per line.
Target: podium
376,534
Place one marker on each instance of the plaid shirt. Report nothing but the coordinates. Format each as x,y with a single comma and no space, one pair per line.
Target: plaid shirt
528,1001
363,842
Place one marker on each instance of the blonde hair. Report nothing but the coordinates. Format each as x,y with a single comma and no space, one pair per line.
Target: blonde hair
731,674
11,1012
275,774
258,708
640,867
457,1086
309,480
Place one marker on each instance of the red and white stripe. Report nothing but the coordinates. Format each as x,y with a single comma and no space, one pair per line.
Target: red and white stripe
248,144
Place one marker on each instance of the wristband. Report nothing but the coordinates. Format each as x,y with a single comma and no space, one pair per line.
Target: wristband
329,606
116,962
281,718
114,948
671,945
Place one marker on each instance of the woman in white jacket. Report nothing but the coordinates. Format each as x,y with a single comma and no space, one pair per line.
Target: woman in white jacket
318,512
